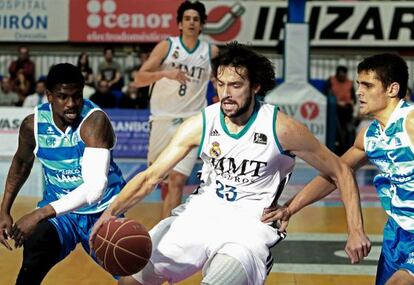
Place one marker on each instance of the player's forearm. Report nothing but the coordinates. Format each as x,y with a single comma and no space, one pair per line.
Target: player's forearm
314,191
350,197
145,78
133,192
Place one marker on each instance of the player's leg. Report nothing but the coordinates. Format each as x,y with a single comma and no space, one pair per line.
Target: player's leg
401,277
225,270
396,263
176,182
173,196
161,132
41,251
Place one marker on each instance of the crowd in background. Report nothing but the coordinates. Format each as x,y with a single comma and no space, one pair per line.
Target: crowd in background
108,87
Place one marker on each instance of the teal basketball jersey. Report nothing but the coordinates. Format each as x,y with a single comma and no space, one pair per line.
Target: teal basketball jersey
391,150
60,154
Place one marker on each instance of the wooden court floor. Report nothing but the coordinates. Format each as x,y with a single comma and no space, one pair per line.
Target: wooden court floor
79,269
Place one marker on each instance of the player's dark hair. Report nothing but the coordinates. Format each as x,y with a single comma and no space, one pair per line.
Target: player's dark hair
260,70
64,73
388,68
187,5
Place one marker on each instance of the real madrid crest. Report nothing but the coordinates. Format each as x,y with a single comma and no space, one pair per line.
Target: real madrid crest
175,54
215,150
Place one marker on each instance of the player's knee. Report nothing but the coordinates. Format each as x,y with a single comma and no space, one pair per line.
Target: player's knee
225,270
40,252
176,181
44,242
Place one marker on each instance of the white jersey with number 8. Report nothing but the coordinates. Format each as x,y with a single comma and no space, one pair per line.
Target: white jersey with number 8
169,98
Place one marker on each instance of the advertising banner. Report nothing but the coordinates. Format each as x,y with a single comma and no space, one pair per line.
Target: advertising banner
132,131
122,21
34,20
10,121
259,23
331,23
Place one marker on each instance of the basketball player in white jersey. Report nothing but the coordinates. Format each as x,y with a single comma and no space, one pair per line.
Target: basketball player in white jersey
179,71
387,143
248,149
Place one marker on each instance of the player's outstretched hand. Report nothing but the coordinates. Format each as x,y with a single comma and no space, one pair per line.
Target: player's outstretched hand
24,227
279,214
95,229
6,222
357,246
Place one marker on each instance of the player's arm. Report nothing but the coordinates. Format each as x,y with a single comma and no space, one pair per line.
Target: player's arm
296,138
187,137
321,186
150,71
98,135
19,171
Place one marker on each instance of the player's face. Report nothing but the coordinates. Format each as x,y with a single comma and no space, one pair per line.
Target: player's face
67,102
234,91
191,23
371,93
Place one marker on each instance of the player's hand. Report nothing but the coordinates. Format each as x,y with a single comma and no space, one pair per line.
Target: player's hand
6,222
280,214
357,246
102,219
178,75
24,227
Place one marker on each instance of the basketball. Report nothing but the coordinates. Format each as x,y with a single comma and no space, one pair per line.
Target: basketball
122,246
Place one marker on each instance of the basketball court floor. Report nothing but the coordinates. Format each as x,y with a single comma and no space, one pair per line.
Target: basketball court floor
311,254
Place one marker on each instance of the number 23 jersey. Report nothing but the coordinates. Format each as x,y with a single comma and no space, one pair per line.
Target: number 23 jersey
169,98
248,169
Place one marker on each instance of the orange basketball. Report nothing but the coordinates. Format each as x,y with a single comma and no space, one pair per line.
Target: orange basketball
122,246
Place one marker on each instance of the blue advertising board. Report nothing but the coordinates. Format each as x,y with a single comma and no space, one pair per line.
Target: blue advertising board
132,131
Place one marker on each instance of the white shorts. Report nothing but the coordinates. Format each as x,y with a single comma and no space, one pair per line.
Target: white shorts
162,131
185,244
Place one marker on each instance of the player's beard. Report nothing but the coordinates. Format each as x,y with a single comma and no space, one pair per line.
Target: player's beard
241,109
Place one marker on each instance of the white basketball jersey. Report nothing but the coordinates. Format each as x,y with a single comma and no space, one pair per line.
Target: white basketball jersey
169,98
249,169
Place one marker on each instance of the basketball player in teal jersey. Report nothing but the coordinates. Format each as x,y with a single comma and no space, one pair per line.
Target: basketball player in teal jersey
72,138
178,71
248,150
387,143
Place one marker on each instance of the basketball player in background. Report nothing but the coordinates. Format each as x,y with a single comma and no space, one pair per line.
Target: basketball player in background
179,70
387,143
248,150
72,138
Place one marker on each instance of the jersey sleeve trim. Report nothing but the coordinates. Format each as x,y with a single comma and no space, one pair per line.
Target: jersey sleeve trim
169,49
35,129
200,147
278,145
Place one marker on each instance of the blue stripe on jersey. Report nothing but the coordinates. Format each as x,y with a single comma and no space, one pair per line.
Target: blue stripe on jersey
43,107
63,153
405,195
